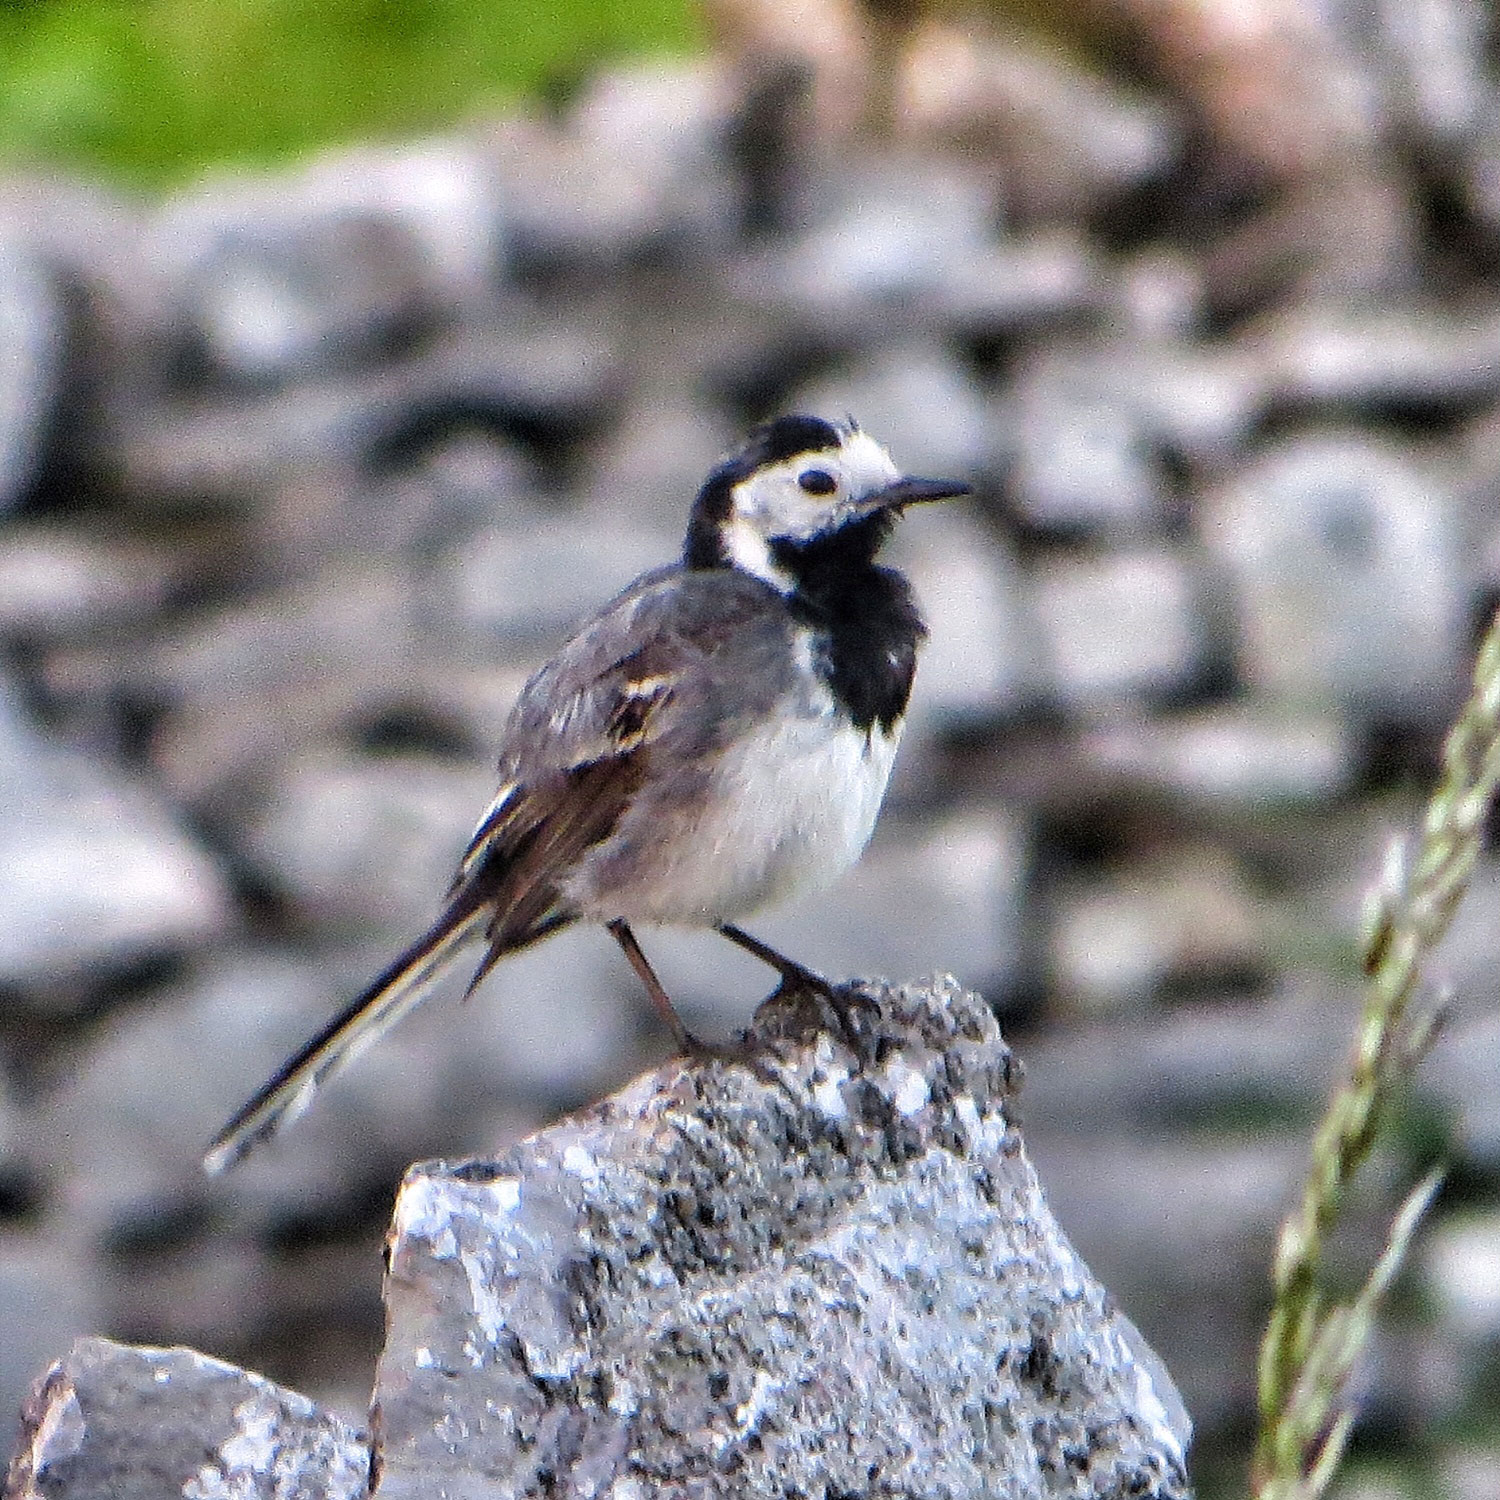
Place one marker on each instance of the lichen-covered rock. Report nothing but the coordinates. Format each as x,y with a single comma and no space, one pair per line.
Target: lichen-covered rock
111,1422
824,1270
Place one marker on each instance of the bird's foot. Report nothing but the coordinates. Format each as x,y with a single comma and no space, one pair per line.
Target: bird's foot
743,1050
851,1009
842,1000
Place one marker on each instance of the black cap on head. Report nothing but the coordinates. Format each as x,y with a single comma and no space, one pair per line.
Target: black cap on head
771,443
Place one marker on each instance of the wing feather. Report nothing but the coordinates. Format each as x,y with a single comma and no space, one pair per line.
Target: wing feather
666,659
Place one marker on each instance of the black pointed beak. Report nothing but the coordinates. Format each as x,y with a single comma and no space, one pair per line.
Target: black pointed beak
917,492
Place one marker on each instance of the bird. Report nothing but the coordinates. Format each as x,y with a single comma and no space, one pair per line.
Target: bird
715,740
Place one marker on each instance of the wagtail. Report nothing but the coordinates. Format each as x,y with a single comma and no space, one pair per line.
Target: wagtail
716,739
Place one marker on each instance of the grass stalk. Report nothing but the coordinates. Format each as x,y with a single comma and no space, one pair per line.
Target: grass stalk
1311,1343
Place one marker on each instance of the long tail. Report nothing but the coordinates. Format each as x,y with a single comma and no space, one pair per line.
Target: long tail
390,996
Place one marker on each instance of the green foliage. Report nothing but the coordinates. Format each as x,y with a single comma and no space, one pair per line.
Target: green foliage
151,90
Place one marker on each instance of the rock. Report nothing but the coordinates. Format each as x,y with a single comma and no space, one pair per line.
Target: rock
1185,919
655,460
1062,138
1027,281
827,41
1460,1074
1095,427
1481,176
1160,298
47,1299
1191,1066
1433,53
354,258
552,384
920,402
64,581
984,658
1345,236
1460,1266
372,840
313,628
91,238
1462,1071
110,1422
1215,1203
1120,624
1342,353
548,1027
1274,84
1342,559
442,191
894,252
1240,757
890,235
273,300
881,1290
95,872
535,585
127,1128
189,1258
637,168
33,332
1084,463
1471,1472
219,751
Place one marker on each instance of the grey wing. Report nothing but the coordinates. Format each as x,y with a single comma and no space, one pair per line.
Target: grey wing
675,661
670,662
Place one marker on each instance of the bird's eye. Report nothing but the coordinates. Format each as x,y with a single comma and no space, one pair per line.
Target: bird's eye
817,481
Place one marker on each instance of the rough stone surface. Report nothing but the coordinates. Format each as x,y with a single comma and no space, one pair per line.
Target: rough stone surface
825,1273
110,1422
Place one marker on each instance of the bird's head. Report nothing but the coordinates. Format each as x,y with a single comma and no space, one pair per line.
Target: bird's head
801,490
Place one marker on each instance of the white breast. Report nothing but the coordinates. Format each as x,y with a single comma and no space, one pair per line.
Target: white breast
791,807
804,795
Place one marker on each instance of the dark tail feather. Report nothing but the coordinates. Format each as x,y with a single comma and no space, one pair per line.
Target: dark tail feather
399,989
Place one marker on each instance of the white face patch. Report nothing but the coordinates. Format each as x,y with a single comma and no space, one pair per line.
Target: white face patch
773,503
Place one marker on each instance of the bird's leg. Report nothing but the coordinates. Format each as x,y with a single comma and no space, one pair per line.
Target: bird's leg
686,1041
791,971
842,1001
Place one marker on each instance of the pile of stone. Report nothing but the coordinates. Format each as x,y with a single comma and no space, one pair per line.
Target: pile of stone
302,473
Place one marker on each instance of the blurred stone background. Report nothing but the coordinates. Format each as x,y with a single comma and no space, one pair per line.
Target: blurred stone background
302,471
